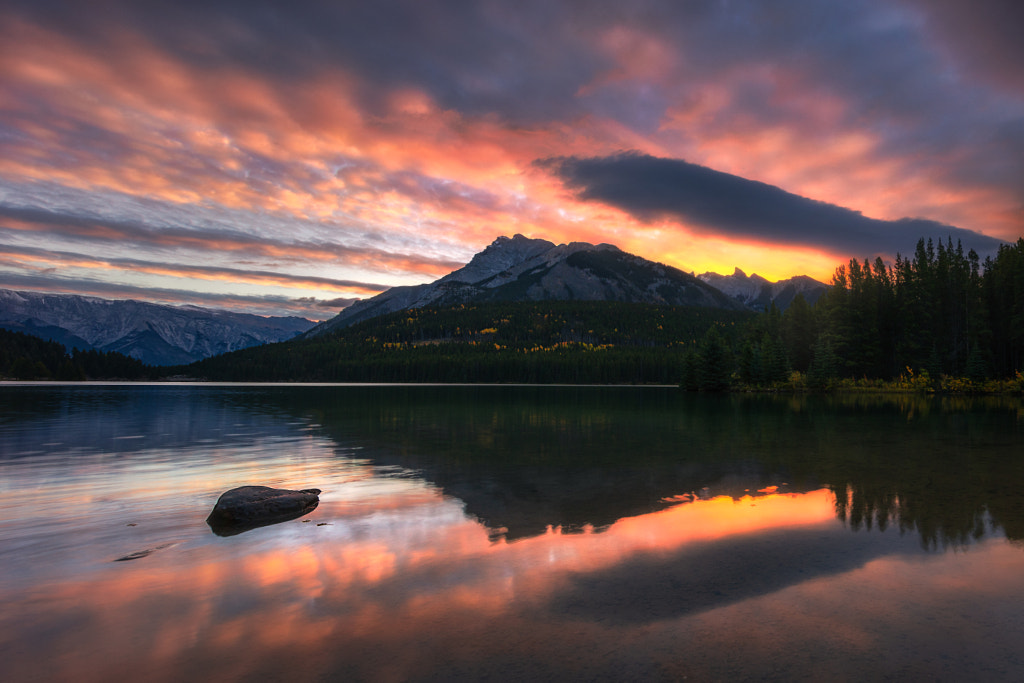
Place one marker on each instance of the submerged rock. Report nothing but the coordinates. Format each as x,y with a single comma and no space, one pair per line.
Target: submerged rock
139,554
249,507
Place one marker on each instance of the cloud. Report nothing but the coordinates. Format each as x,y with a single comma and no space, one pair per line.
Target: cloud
388,141
333,304
651,188
983,36
152,234
19,255
476,57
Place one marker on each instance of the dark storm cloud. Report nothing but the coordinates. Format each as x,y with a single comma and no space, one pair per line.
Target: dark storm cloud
525,61
536,60
532,57
985,36
471,56
651,188
983,43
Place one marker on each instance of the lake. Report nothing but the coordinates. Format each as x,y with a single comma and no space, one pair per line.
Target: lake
510,533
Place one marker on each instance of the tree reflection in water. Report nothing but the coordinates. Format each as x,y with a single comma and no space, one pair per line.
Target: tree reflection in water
945,468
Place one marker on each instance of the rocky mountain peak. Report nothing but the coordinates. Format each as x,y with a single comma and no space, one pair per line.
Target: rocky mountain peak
156,334
758,292
524,269
502,254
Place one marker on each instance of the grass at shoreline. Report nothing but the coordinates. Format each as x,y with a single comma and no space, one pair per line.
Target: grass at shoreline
909,383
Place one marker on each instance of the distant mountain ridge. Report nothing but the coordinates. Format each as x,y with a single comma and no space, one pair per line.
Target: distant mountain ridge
156,334
523,269
758,293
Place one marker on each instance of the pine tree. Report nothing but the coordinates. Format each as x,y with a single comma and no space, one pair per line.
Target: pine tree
749,363
715,369
824,365
799,331
774,366
691,371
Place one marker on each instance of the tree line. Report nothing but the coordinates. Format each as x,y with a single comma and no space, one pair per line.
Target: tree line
938,319
579,342
26,357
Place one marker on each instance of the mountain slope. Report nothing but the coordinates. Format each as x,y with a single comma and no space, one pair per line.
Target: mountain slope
156,334
523,269
576,342
758,293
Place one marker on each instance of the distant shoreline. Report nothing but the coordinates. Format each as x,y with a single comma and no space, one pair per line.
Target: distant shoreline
737,391
203,383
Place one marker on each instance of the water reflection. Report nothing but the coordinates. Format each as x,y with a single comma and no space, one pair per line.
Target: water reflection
535,457
511,533
522,460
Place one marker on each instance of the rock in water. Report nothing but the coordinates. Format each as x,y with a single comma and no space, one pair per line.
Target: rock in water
249,507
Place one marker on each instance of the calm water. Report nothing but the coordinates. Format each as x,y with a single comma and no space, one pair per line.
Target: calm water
510,533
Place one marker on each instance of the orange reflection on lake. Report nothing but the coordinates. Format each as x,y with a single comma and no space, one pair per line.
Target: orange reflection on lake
297,592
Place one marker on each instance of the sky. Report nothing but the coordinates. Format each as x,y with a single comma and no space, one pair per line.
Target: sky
288,158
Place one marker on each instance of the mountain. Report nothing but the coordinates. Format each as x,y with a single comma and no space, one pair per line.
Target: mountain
522,269
155,334
758,293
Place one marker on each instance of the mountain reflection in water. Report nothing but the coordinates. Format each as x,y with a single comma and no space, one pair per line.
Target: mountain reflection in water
509,533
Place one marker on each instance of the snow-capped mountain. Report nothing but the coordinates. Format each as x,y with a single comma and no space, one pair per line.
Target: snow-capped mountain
522,269
758,293
156,334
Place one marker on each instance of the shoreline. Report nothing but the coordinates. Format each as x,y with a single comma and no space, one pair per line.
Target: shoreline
960,387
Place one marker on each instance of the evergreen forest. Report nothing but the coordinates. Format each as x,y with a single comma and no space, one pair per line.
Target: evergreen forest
25,357
588,342
940,319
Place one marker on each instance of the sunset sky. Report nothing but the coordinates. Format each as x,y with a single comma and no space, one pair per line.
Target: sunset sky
288,158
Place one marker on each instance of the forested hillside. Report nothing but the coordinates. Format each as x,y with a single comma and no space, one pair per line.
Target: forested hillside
550,341
25,357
